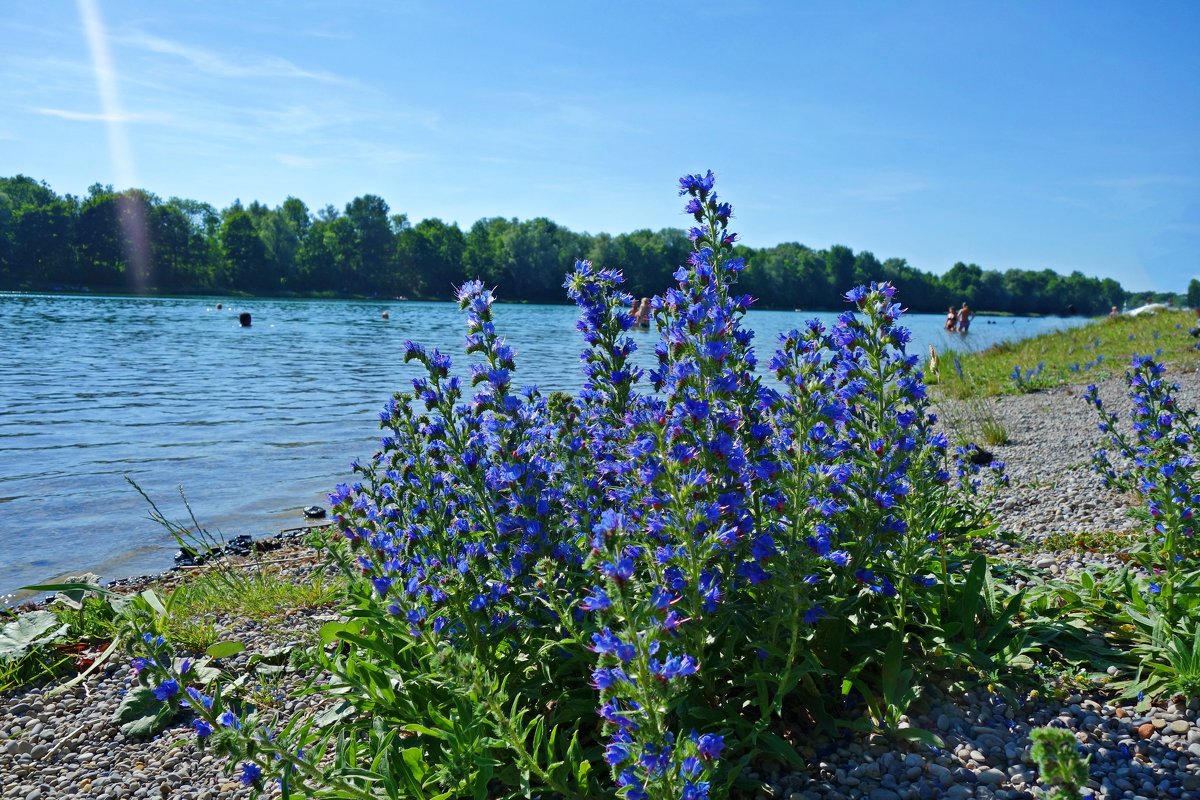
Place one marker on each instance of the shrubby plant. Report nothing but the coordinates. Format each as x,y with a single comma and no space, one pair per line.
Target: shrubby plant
1156,460
660,578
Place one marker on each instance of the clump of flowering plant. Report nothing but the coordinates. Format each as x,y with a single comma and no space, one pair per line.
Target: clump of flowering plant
1156,459
654,578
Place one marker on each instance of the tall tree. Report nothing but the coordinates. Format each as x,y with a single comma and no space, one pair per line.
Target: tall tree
371,255
245,255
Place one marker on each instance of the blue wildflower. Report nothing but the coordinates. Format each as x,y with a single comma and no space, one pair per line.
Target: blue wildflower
251,773
166,690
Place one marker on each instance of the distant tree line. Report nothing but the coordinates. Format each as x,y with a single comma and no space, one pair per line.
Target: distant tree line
134,241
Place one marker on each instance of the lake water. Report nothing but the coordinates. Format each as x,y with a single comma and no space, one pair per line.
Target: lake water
255,423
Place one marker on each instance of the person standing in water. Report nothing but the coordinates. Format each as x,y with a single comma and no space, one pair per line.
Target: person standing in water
641,313
951,319
965,315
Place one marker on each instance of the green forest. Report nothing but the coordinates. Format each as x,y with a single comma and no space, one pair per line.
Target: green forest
133,241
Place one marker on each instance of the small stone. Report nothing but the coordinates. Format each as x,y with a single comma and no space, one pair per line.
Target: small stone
1145,730
1180,726
992,777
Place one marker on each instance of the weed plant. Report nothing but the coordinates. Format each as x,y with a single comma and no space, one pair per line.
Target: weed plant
1062,767
644,591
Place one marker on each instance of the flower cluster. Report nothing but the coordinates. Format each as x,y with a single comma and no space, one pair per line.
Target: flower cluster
1027,380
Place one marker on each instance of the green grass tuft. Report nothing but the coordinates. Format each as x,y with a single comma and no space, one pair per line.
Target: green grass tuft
259,595
1084,541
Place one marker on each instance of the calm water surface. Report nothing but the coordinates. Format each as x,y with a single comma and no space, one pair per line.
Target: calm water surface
254,423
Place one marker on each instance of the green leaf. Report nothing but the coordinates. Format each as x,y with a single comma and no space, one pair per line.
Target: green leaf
141,713
330,632
427,731
414,759
920,735
225,649
28,631
780,748
335,714
152,599
73,586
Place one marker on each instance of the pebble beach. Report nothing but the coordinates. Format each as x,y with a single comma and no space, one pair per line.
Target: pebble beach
66,746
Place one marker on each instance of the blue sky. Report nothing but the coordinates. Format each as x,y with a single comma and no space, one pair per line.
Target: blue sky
1017,134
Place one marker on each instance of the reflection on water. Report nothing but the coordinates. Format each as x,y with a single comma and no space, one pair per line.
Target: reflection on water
255,423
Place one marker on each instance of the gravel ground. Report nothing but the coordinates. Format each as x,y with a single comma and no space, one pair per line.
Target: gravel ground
66,748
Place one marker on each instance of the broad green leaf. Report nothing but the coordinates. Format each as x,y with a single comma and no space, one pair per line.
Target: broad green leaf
141,713
28,631
225,649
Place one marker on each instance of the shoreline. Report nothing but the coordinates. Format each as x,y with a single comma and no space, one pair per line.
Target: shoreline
222,555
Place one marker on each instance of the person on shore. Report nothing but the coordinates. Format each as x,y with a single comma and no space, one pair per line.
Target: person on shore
1115,312
965,315
951,319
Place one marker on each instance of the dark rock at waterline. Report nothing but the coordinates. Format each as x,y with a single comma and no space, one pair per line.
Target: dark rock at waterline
243,545
314,512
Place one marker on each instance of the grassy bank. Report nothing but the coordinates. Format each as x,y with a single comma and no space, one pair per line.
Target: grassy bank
77,626
1086,354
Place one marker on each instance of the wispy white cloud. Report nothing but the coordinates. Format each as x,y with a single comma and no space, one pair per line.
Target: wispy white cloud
87,116
1144,181
315,34
887,188
351,152
382,155
223,65
301,162
294,119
